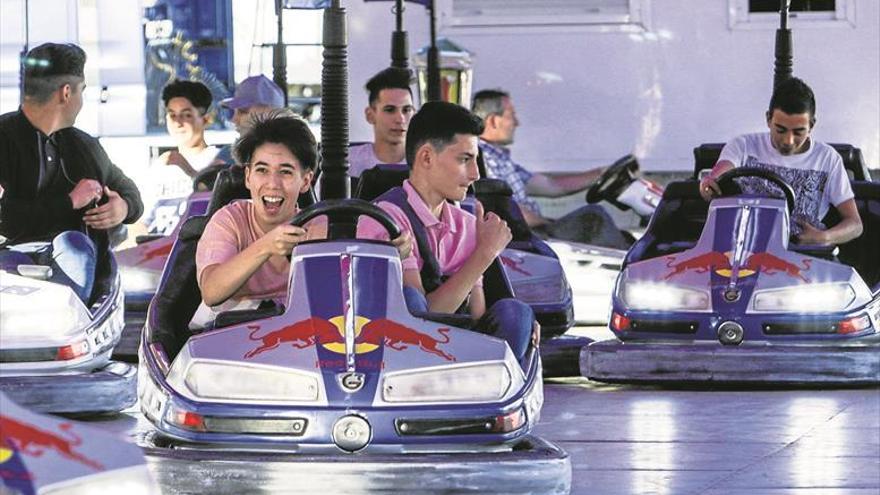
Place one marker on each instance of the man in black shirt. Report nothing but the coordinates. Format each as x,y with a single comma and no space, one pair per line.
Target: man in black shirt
53,176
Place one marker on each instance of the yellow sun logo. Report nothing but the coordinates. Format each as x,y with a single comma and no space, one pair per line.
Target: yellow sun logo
339,347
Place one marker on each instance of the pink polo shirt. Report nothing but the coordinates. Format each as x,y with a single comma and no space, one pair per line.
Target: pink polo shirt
231,230
452,237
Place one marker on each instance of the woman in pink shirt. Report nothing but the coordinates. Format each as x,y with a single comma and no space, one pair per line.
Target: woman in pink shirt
242,254
241,257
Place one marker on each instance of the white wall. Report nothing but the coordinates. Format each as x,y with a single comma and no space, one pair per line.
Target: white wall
588,97
110,33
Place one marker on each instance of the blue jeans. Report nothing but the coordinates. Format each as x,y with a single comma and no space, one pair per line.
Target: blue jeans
72,256
508,319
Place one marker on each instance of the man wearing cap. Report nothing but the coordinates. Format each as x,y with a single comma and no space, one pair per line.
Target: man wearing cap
254,96
54,175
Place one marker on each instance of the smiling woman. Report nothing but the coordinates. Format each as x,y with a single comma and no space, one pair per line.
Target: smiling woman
242,255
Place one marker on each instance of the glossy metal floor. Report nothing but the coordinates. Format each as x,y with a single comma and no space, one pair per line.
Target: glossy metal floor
646,440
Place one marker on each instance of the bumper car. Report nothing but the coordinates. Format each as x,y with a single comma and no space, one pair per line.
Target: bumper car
55,350
717,293
44,455
343,373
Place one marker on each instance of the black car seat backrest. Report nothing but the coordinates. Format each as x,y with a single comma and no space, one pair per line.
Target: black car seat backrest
178,294
497,197
481,164
376,181
863,252
676,224
706,155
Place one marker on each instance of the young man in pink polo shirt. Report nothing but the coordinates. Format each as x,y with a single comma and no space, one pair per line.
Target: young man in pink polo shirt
452,248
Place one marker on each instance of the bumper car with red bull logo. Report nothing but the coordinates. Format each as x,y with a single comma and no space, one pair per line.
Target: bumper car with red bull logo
55,349
723,296
44,454
342,373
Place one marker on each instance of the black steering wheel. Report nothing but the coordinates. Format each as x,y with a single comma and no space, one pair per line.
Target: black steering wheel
730,188
342,217
614,180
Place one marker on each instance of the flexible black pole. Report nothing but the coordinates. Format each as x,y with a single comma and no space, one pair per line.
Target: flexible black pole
334,106
279,54
433,59
399,43
782,68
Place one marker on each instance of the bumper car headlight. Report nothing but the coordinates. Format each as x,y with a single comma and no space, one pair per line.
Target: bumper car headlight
470,383
547,289
812,299
664,297
49,320
224,381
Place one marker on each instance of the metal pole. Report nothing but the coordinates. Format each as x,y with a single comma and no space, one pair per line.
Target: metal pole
279,54
334,106
399,43
433,59
782,68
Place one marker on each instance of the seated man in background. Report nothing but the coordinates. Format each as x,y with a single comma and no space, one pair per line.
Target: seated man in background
61,194
813,169
254,96
242,256
169,179
389,112
453,248
587,224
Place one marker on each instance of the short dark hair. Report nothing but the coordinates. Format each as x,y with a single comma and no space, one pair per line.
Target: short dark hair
197,93
489,102
280,126
437,123
793,96
50,66
390,78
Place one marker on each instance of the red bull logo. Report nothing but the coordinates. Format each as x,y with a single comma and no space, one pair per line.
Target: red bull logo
514,265
369,335
164,250
771,265
400,337
33,441
713,260
302,334
720,263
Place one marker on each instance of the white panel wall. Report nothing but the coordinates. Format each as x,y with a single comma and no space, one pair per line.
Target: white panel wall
587,97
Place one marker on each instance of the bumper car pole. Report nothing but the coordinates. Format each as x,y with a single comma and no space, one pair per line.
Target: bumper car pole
782,67
335,183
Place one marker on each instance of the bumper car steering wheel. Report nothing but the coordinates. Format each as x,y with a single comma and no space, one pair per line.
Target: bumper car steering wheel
342,217
614,180
730,188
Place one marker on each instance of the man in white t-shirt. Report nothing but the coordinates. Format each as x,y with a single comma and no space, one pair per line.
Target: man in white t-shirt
389,112
814,170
